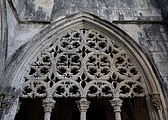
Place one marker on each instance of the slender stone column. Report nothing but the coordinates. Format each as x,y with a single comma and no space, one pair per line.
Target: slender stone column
83,105
117,103
48,105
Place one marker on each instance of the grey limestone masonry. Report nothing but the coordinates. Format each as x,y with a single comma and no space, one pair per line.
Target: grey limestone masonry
12,22
143,20
47,10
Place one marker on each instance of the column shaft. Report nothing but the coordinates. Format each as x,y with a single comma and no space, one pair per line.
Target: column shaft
117,103
48,105
83,105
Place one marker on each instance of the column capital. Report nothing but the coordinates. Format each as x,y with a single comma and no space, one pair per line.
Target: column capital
48,104
116,103
83,105
6,102
156,101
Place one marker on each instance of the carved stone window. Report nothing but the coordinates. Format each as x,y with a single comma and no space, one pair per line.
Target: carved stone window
82,63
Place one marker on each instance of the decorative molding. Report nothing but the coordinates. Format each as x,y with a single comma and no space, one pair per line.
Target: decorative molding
6,102
3,35
156,101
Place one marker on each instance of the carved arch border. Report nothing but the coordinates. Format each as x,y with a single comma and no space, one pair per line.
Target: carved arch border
19,63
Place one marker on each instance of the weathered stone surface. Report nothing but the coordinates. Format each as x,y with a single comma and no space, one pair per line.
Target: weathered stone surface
162,66
12,22
152,37
160,57
140,19
165,78
164,10
22,34
35,10
3,36
132,30
46,10
163,6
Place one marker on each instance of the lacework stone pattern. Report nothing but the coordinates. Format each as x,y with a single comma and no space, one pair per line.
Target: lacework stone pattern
82,63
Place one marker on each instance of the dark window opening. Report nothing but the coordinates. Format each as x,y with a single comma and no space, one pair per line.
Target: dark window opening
99,109
134,109
30,109
65,109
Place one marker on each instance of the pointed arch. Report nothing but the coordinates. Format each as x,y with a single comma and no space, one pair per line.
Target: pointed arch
26,52
23,58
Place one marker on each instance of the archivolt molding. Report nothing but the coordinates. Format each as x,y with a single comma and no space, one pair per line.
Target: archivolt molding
3,35
82,63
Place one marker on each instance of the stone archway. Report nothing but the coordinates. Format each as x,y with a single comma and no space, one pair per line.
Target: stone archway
86,58
82,63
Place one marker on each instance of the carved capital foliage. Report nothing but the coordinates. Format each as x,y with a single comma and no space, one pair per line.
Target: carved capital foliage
6,102
83,105
48,104
156,101
82,63
116,103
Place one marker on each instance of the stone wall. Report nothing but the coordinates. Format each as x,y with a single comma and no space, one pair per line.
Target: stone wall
47,10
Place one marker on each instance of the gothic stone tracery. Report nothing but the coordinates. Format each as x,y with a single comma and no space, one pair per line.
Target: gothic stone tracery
82,63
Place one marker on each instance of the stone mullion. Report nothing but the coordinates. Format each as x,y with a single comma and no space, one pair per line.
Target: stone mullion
117,103
48,105
83,105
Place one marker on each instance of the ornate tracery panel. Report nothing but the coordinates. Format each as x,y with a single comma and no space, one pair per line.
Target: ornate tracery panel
83,63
